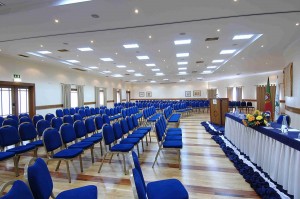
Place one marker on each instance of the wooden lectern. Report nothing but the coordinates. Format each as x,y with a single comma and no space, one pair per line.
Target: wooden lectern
218,109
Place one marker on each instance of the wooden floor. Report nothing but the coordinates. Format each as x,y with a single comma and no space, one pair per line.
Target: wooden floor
206,171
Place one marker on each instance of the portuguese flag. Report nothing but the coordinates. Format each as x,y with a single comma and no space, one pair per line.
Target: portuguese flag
268,104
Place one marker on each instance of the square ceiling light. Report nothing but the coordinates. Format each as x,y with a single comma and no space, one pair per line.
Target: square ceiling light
85,49
238,37
142,57
106,59
131,46
184,41
225,52
182,54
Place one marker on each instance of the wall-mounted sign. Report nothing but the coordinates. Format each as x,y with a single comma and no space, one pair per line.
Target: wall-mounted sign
17,78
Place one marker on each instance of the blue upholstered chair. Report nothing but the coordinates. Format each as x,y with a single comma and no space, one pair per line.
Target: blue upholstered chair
53,142
25,119
59,113
1,120
56,122
28,132
49,117
66,111
72,111
9,136
41,184
36,118
78,117
70,141
98,122
23,115
19,189
68,119
280,118
169,188
109,139
11,122
41,125
14,117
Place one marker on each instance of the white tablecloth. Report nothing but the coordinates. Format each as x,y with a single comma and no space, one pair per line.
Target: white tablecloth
280,161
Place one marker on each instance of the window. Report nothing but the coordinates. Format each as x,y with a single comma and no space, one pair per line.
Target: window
23,102
74,98
101,97
127,96
118,96
6,101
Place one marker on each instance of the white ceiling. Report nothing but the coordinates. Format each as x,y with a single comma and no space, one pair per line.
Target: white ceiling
28,24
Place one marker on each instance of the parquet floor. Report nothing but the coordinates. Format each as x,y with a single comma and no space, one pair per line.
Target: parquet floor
206,172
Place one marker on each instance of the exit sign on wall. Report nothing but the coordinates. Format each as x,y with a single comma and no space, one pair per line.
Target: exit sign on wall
17,78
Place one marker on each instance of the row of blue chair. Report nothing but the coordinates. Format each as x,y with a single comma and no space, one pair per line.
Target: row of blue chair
172,117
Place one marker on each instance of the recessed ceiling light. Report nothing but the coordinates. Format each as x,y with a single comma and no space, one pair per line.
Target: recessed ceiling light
158,50
182,63
159,74
152,81
218,61
84,49
150,36
131,46
211,67
106,71
183,68
121,66
262,46
150,65
182,80
134,80
44,52
130,71
218,30
155,69
237,37
206,72
42,46
199,78
136,11
235,0
142,57
182,54
225,52
180,42
93,67
182,73
56,20
107,59
92,41
297,24
117,75
73,61
138,75
116,53
164,60
165,79
65,2
207,46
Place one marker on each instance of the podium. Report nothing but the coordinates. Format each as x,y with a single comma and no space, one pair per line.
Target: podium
218,109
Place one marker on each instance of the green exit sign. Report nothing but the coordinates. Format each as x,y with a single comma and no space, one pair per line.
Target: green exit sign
17,76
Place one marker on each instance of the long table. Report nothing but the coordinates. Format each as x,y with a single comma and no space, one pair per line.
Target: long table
276,153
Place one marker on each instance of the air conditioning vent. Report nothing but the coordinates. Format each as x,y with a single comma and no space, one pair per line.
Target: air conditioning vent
63,50
212,39
127,74
2,4
168,83
80,69
194,71
23,55
199,62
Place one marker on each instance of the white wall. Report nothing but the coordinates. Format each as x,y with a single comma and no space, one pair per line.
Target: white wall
173,90
292,54
48,79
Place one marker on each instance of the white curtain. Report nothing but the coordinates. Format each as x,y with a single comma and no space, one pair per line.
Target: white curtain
239,91
230,93
80,93
66,95
97,99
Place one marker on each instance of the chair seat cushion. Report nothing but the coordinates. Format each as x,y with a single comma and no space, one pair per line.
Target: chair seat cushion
174,129
172,144
86,192
174,133
147,128
122,147
92,139
68,153
97,135
172,188
130,141
36,143
21,149
136,135
175,137
81,145
144,132
6,155
139,115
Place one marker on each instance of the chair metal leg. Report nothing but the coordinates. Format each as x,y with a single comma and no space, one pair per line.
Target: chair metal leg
156,157
102,162
101,148
137,148
124,163
143,145
57,166
179,159
35,152
16,164
92,154
111,157
68,170
80,160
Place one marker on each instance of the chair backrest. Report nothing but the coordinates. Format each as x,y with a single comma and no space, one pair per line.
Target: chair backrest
87,112
23,115
37,118
11,122
135,121
67,133
93,112
280,118
77,117
130,123
99,122
27,131
136,164
97,111
39,179
66,111
68,119
72,111
19,189
49,117
1,120
80,129
14,117
9,136
41,125
117,130
81,113
56,122
106,119
108,134
59,113
25,119
124,126
51,139
90,125
137,184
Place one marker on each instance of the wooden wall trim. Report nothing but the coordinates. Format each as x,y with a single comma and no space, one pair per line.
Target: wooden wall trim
292,109
49,106
108,101
7,83
89,103
254,100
